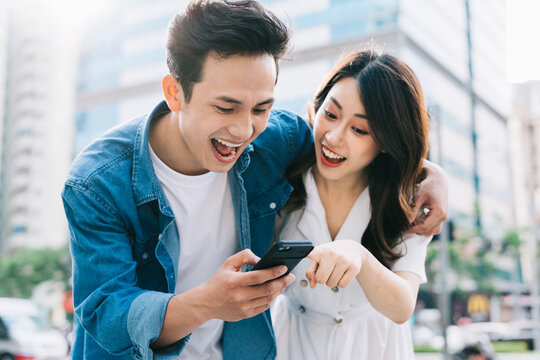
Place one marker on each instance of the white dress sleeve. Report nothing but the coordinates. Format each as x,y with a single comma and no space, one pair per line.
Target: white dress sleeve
413,248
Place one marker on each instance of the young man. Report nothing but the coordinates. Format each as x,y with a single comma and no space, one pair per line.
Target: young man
165,210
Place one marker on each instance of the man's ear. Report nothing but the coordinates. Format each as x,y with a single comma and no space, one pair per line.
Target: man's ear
172,90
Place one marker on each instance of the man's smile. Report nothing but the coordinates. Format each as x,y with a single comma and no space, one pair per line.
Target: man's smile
225,150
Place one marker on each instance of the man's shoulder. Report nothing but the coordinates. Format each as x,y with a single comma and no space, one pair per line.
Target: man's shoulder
287,138
110,150
283,128
284,120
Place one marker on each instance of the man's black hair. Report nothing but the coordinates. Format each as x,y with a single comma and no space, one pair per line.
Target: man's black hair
227,28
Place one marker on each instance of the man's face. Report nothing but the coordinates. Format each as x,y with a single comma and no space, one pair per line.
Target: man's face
228,109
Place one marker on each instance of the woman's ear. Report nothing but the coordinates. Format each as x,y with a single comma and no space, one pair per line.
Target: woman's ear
172,90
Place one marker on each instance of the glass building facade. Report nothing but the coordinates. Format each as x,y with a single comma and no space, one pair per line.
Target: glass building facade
37,112
455,47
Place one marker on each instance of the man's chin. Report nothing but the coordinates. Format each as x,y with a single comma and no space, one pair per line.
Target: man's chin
219,166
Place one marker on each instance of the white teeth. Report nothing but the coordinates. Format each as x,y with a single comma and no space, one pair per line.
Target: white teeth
226,143
331,154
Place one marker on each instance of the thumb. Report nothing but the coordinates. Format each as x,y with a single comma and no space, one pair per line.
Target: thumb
417,209
310,273
244,257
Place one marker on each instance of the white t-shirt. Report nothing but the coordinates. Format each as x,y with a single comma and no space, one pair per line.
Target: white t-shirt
204,215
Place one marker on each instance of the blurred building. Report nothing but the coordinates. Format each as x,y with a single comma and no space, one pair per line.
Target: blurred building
122,64
457,50
455,47
525,130
526,119
3,75
37,123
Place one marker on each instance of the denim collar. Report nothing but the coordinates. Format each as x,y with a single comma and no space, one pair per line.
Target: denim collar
146,186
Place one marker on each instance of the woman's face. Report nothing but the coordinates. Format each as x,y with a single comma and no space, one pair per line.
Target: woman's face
343,142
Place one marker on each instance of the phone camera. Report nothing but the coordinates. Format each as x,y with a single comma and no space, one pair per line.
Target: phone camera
284,248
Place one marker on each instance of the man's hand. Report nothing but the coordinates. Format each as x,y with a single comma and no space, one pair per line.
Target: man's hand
232,295
229,294
431,194
335,264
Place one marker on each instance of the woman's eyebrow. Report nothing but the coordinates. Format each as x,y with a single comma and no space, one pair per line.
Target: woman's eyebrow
332,99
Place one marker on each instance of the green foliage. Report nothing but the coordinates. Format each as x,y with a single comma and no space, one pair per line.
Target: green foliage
472,256
512,240
22,270
425,349
510,346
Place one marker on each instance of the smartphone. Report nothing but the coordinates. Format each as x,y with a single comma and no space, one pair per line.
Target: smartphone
285,252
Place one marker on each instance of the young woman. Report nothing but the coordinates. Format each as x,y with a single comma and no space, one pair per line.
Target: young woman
371,137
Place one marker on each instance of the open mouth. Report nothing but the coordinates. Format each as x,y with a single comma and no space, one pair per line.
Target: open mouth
225,150
330,158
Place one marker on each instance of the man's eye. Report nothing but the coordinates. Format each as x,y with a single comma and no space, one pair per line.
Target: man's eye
359,131
224,110
259,111
329,114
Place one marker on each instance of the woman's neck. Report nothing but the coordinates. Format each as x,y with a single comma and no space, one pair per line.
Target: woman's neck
344,188
338,198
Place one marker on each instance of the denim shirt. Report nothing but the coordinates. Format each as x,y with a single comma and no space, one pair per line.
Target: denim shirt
125,244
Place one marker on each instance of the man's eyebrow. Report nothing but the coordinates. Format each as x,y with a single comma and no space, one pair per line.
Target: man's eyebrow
230,100
266,102
361,116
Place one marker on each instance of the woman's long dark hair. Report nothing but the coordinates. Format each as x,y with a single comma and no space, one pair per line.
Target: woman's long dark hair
398,121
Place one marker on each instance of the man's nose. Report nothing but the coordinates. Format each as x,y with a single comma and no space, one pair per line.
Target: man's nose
242,127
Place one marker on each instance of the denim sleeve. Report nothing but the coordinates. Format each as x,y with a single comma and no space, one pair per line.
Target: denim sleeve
122,318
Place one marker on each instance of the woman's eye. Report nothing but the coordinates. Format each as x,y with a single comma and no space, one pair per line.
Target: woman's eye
224,110
359,131
329,114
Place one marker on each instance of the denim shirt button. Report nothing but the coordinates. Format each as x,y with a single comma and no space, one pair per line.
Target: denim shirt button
137,352
272,205
145,256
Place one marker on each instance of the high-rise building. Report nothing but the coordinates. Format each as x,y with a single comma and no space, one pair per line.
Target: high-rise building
122,64
38,123
525,126
525,132
455,47
3,74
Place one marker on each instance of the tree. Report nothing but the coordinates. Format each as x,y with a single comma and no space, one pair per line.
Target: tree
22,270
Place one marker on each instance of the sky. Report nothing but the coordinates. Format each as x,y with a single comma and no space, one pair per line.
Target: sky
522,33
522,40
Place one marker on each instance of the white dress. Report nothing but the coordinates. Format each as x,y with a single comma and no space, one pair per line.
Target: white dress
335,323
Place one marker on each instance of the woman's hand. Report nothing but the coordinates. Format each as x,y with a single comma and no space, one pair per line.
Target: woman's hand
432,194
336,263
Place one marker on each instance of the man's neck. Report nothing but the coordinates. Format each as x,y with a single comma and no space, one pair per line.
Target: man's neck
169,146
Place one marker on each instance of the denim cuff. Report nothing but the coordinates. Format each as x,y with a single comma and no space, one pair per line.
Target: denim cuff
144,323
